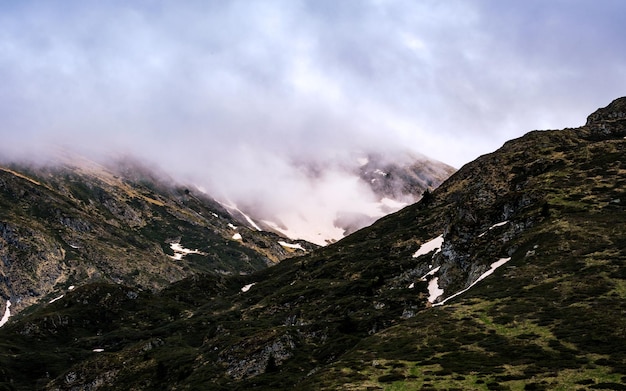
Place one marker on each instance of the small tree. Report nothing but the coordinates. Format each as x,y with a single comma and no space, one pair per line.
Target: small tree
271,364
427,197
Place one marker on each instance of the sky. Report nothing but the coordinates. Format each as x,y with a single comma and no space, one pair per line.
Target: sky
231,92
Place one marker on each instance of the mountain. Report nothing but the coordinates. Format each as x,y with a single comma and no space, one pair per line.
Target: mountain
347,194
510,275
78,222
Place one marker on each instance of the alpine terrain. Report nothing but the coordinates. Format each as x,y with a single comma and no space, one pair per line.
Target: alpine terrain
77,222
508,276
378,183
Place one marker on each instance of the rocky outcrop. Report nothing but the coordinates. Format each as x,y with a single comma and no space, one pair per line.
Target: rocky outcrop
610,121
242,363
32,265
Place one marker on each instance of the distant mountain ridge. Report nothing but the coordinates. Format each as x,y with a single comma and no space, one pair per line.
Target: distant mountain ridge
389,180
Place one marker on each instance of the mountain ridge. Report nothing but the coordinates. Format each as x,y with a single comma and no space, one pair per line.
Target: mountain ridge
76,222
363,313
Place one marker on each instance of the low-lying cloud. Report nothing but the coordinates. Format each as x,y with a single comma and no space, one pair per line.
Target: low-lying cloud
229,94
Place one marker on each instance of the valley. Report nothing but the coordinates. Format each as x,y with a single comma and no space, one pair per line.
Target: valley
507,276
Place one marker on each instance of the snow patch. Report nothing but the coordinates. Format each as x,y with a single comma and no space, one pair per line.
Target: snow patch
7,314
232,226
180,251
246,288
494,266
297,246
71,288
98,350
237,236
412,285
433,290
214,214
434,244
55,299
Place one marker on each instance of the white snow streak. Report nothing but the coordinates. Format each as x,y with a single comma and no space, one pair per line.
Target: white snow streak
430,273
230,205
251,222
494,266
434,244
237,236
55,299
98,350
492,227
246,288
297,246
7,314
232,226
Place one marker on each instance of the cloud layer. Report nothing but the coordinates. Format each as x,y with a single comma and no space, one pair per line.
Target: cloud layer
232,91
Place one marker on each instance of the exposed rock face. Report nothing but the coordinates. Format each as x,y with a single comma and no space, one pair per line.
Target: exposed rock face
31,265
242,363
609,121
403,177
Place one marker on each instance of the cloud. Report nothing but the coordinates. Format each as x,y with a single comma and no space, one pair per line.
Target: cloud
230,92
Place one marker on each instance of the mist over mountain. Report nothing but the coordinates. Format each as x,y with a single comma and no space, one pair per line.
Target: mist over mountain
162,162
227,96
331,198
70,220
75,221
509,275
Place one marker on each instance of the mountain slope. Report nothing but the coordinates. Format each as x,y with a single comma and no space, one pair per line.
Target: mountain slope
73,224
386,307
